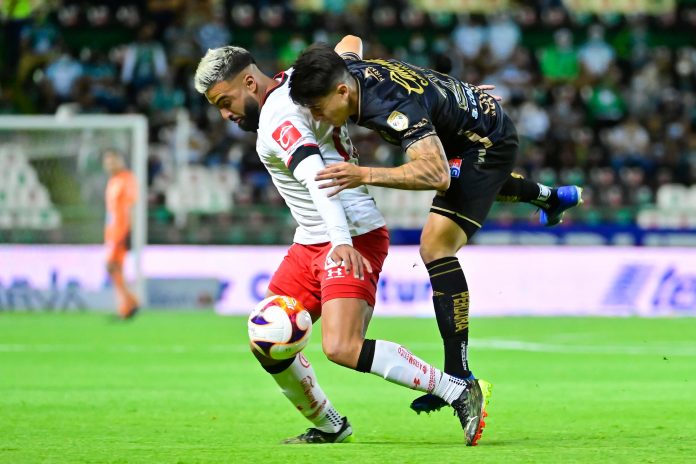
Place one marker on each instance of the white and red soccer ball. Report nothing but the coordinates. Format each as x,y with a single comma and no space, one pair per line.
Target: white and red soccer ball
279,327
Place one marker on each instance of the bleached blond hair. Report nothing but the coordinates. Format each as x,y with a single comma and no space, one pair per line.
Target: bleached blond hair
220,64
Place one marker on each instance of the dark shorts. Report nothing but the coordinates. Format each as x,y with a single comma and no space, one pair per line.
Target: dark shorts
476,179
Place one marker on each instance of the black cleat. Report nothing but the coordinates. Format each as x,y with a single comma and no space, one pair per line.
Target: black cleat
428,403
431,403
469,408
314,435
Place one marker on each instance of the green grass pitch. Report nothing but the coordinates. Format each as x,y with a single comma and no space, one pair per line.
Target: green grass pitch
181,388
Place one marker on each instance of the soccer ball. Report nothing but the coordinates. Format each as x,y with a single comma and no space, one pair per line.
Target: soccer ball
279,327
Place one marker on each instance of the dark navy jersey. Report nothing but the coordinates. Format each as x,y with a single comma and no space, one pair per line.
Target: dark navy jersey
406,103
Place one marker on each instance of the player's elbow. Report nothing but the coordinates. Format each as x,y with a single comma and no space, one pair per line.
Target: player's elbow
443,182
441,178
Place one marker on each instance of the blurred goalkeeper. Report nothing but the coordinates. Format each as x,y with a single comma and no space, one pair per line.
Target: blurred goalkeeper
121,195
340,244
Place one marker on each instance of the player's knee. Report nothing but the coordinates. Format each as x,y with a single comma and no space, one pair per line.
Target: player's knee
433,247
431,251
342,352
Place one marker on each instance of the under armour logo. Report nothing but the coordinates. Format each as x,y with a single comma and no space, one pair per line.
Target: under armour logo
334,272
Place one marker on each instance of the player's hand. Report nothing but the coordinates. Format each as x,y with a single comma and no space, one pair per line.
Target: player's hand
352,260
486,88
341,176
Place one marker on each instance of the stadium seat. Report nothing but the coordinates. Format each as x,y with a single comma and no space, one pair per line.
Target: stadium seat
671,197
691,198
6,219
648,218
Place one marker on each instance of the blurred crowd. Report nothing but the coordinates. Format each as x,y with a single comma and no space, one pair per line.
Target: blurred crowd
606,101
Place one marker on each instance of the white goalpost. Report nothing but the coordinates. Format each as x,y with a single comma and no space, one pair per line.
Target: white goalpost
52,184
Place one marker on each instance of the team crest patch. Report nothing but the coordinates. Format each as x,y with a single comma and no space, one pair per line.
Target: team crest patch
398,121
286,135
455,167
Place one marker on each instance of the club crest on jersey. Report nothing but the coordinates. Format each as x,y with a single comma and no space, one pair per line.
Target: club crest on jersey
455,167
286,135
398,121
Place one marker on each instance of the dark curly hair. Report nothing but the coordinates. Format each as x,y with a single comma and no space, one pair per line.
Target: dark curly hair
316,72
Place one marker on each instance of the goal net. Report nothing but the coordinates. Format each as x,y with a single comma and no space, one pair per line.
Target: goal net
52,182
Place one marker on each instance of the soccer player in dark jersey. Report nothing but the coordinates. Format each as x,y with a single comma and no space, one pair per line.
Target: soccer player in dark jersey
458,141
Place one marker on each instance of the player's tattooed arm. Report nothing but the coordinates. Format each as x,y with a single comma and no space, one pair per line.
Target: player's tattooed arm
350,46
426,170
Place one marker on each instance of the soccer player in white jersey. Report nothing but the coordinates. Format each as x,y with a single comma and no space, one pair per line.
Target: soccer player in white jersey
339,247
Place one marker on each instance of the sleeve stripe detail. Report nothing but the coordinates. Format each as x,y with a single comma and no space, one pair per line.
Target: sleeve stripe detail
350,56
339,146
302,152
411,142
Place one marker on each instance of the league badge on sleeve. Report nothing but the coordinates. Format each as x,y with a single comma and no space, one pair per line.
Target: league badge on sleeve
398,121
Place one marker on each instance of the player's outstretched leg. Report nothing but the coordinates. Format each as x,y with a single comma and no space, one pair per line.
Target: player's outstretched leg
298,382
568,197
552,202
397,364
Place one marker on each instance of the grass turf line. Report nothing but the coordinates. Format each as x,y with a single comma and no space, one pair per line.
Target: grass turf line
180,387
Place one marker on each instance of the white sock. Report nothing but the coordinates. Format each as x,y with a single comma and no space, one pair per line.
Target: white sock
398,365
299,384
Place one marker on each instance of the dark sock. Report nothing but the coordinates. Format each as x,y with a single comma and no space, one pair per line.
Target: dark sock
451,302
518,189
367,355
280,367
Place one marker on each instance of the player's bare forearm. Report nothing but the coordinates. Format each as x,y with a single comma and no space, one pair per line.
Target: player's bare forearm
420,174
350,44
427,170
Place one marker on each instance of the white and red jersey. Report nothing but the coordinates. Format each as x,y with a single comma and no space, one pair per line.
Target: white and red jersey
293,147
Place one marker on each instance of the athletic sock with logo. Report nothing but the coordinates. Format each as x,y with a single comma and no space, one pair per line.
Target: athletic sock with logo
518,189
451,302
298,382
398,365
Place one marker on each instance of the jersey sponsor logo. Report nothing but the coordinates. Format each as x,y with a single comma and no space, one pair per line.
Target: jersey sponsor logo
455,167
373,72
398,121
403,75
286,135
